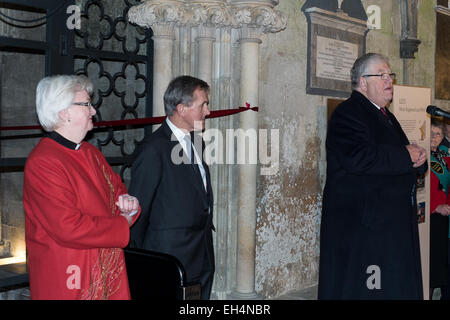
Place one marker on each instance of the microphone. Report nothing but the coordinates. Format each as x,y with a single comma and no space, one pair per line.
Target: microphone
435,111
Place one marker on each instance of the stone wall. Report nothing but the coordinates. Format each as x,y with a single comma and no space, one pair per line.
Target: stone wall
289,202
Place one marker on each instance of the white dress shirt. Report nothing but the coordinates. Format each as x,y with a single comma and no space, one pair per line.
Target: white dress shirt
180,135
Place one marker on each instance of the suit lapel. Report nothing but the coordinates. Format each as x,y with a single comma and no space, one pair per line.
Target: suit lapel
385,120
392,126
397,127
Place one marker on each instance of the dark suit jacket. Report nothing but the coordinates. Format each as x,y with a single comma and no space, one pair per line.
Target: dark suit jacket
369,213
177,212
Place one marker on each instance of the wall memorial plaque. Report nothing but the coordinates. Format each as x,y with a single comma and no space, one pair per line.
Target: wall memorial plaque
335,41
335,58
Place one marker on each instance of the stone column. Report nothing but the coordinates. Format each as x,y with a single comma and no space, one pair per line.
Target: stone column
163,37
162,17
253,21
246,223
205,38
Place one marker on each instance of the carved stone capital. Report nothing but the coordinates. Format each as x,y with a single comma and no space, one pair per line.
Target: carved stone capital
215,14
264,18
164,30
159,15
258,14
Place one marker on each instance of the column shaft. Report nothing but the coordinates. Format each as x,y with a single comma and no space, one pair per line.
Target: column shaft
246,224
205,59
162,71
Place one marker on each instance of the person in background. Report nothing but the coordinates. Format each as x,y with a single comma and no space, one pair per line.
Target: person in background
446,141
77,210
369,239
439,208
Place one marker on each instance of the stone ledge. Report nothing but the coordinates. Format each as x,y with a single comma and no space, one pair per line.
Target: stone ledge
13,275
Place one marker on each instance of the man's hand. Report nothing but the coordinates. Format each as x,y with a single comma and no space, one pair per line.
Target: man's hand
417,153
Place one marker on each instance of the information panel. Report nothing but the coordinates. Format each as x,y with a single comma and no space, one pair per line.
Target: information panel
409,105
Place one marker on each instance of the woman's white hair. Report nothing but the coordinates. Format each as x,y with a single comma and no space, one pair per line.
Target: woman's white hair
56,93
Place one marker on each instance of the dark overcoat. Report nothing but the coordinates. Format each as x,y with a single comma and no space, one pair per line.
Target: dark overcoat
369,243
176,211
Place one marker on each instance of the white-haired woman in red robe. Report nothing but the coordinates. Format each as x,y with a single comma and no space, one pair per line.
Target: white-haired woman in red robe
77,210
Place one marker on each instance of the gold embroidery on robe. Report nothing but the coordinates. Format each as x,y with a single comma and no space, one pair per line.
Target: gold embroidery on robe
104,276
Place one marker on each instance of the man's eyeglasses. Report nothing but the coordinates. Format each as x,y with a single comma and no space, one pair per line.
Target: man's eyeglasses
383,76
436,134
84,104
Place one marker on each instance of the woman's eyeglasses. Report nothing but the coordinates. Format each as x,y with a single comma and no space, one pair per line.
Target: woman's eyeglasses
84,104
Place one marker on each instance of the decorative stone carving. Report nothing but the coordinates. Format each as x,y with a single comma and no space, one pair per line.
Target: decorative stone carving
263,17
151,13
408,47
214,14
219,14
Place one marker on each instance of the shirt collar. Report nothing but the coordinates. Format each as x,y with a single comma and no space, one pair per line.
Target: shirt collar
379,108
179,134
63,141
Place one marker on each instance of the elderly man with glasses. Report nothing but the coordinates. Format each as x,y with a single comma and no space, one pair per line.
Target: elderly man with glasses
369,233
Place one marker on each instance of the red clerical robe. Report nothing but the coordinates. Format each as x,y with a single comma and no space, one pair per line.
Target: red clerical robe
74,231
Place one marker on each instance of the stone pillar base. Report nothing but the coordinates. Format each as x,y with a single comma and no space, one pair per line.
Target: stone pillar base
244,296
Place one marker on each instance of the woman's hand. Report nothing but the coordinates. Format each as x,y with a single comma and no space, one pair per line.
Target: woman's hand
128,206
443,209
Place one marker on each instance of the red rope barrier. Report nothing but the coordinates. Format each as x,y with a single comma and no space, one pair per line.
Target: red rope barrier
151,120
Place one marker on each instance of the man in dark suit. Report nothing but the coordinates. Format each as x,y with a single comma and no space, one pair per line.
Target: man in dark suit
369,244
175,194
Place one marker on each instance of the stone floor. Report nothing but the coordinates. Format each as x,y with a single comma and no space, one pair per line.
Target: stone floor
311,294
304,294
15,294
